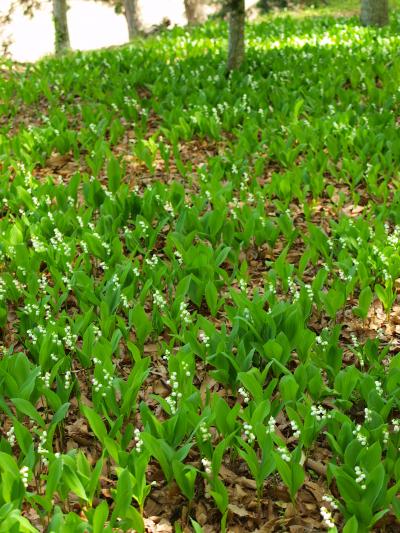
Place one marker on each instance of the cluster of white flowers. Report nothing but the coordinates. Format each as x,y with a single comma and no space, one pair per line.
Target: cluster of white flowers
107,383
270,287
67,382
319,412
169,208
172,402
55,339
356,345
2,289
138,440
32,336
271,425
31,309
204,339
235,205
357,432
185,367
108,193
49,314
42,449
46,379
367,414
97,333
284,453
124,301
396,425
167,355
59,243
354,340
242,284
309,291
144,228
185,315
360,477
205,432
67,282
330,500
394,238
327,517
378,387
380,333
175,395
250,198
178,256
43,282
292,286
343,276
152,261
37,244
24,471
84,247
379,254
385,436
322,342
207,466
115,281
244,394
159,300
295,429
19,285
11,436
248,434
70,338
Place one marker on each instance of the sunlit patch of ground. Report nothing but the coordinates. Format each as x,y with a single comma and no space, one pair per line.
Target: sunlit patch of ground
91,24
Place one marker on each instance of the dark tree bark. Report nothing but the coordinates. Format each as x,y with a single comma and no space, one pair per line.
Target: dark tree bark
194,10
374,12
62,43
132,15
237,16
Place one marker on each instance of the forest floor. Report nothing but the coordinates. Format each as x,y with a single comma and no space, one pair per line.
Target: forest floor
199,283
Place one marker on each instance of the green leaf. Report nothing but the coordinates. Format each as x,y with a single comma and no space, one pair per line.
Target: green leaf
123,495
53,477
351,525
364,302
141,322
100,516
74,483
185,476
27,409
114,174
60,414
211,294
95,422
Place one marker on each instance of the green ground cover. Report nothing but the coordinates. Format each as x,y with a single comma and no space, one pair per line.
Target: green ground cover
199,280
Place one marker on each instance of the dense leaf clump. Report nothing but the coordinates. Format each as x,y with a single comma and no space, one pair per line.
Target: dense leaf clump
199,283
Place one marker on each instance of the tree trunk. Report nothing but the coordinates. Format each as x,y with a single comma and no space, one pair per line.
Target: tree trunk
194,10
62,43
132,15
236,34
374,12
